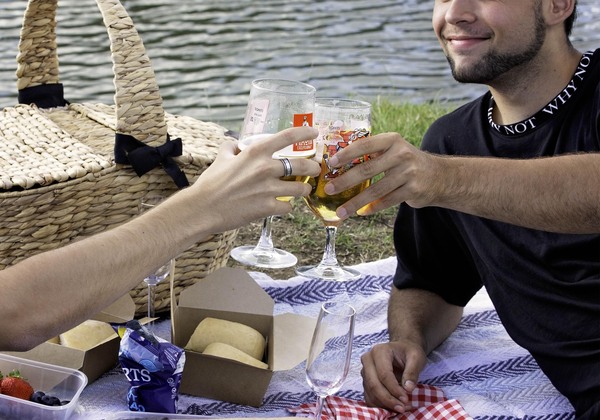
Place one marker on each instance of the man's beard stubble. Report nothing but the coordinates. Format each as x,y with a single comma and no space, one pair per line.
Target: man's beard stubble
493,64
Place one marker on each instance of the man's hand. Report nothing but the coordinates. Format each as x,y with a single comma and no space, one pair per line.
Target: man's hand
407,174
515,191
390,373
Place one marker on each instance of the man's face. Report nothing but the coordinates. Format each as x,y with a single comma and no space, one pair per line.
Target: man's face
484,39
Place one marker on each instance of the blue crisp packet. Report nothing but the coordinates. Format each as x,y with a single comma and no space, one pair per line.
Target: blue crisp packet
153,368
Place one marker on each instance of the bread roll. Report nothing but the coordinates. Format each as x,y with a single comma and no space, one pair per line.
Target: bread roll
230,352
86,335
240,336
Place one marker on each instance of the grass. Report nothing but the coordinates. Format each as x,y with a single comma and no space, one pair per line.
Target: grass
359,239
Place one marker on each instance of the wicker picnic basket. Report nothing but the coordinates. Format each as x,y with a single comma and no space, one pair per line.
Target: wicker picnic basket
70,170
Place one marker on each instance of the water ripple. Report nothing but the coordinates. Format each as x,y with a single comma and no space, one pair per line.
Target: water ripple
206,53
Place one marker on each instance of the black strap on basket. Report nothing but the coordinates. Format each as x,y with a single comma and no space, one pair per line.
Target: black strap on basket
44,96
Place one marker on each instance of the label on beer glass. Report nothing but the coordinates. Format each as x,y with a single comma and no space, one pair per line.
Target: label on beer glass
336,140
301,148
257,113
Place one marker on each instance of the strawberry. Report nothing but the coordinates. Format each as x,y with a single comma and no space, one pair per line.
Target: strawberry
15,385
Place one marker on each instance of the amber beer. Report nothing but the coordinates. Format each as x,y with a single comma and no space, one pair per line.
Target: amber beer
295,178
288,152
322,204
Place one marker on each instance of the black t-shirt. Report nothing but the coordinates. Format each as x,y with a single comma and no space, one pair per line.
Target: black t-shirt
545,286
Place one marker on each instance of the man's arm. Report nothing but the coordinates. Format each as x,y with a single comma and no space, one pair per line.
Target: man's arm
418,322
54,291
556,194
422,317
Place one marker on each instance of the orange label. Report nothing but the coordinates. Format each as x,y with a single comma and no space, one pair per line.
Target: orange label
303,120
303,146
299,121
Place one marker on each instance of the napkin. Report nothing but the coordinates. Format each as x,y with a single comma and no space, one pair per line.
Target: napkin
429,402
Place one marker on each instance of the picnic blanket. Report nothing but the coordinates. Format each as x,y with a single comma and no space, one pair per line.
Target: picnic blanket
479,365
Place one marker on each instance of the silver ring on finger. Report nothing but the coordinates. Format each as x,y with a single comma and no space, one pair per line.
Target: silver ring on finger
287,166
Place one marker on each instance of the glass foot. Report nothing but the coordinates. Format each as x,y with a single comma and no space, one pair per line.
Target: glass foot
328,272
253,256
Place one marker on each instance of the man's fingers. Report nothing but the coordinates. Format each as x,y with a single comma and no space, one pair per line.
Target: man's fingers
380,195
381,387
372,146
410,376
378,166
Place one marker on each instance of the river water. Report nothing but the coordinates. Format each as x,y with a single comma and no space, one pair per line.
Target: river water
206,52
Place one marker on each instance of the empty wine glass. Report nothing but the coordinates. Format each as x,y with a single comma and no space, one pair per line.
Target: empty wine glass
162,272
274,105
330,351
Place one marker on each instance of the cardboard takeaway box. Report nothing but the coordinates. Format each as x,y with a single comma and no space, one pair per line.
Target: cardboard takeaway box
95,361
231,294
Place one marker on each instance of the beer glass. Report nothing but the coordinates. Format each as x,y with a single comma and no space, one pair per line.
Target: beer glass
274,105
340,122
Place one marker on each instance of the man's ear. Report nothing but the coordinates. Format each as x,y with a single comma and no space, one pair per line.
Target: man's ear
557,11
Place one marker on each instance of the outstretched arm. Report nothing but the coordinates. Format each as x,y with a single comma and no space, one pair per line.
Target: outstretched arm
54,291
557,194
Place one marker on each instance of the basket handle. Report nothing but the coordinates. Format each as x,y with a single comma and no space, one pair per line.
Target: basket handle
37,61
140,117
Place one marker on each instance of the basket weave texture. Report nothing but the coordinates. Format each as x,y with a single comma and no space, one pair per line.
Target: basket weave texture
58,177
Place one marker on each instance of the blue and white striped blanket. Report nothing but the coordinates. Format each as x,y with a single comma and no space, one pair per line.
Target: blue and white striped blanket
479,364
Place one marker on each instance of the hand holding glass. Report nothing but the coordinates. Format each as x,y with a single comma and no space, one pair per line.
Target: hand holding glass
340,122
330,351
274,105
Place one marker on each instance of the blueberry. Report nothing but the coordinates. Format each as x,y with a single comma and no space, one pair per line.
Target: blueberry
50,400
37,396
47,399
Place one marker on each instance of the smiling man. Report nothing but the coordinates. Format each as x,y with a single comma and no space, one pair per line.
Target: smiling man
505,193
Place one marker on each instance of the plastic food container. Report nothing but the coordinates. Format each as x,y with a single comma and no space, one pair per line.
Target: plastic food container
64,383
133,415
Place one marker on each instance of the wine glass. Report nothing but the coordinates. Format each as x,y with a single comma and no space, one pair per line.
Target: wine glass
330,351
274,105
162,272
340,122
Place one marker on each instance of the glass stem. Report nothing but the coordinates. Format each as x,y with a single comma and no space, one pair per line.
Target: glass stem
151,295
329,257
319,410
265,242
